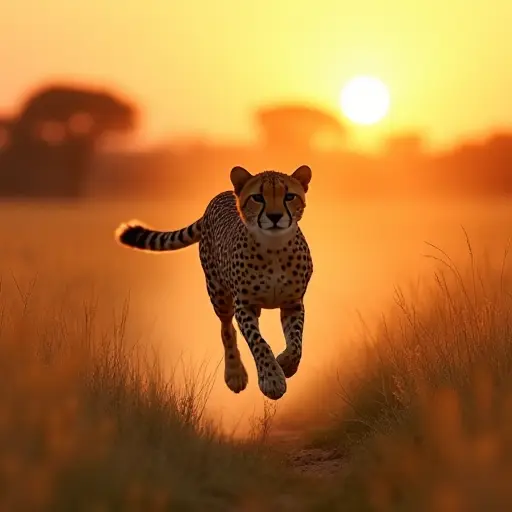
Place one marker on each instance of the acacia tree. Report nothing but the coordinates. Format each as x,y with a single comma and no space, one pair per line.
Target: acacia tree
53,138
296,126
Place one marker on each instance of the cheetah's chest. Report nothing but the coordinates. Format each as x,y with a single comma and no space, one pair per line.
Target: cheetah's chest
280,281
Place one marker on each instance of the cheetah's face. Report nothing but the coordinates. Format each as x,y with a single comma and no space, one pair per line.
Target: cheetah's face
271,203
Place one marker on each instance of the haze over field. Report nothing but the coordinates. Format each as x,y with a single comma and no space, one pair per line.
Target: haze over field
367,249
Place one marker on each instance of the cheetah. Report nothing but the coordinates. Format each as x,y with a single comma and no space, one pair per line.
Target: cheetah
253,256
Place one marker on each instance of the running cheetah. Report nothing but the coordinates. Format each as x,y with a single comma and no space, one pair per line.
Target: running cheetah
254,256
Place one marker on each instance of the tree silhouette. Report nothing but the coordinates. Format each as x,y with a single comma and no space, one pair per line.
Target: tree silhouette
98,112
296,126
53,139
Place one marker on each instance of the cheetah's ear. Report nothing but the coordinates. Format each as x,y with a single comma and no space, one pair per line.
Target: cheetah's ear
303,176
239,177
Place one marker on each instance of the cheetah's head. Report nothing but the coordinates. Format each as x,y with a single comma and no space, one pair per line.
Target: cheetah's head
271,203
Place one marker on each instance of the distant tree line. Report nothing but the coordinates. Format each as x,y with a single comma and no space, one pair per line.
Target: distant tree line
48,149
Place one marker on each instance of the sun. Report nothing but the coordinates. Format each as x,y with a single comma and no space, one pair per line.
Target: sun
365,100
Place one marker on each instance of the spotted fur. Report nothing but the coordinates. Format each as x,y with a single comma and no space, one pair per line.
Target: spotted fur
254,256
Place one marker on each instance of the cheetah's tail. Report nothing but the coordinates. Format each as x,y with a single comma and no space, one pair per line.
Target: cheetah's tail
134,234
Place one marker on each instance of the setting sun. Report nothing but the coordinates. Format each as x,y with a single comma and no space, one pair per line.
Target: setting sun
365,100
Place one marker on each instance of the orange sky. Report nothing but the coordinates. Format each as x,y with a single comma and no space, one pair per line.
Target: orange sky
203,66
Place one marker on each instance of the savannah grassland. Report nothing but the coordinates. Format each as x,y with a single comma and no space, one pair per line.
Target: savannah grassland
113,396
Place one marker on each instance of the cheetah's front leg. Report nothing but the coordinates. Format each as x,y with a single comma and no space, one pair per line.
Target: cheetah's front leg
271,378
235,374
292,320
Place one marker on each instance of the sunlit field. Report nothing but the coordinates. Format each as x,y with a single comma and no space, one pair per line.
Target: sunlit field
405,374
361,252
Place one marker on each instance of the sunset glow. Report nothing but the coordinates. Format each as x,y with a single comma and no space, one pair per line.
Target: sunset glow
204,67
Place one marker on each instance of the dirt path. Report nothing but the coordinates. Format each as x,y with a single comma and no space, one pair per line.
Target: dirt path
314,462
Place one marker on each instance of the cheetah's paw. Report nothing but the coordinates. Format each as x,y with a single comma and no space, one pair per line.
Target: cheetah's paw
236,378
289,363
272,383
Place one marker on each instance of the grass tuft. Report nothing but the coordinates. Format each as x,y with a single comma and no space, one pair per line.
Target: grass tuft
89,421
424,416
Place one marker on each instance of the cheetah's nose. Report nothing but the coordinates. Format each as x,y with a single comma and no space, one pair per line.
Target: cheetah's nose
275,217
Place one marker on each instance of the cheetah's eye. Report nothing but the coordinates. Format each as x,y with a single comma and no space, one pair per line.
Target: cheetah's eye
290,197
258,198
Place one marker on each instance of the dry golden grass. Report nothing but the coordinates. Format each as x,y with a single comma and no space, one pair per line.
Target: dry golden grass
88,422
425,421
